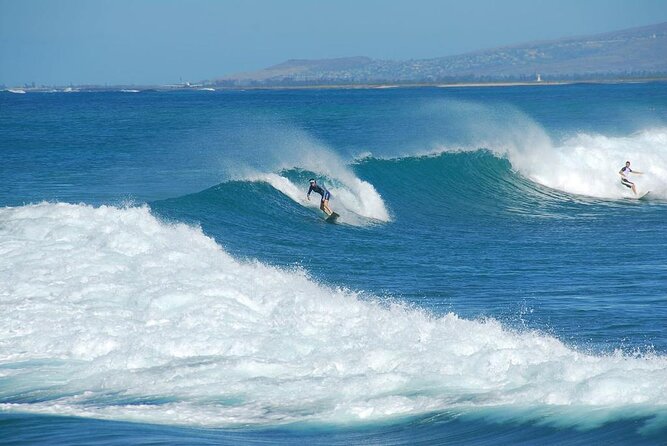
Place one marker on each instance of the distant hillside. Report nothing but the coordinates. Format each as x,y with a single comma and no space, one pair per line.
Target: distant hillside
632,52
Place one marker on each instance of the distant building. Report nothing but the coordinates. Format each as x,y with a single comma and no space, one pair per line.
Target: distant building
538,78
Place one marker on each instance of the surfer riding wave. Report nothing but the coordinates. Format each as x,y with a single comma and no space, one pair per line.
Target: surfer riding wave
624,172
324,203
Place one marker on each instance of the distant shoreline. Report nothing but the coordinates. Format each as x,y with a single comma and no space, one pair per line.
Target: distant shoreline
380,86
389,85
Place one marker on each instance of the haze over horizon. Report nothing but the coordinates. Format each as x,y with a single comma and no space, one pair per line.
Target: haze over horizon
168,41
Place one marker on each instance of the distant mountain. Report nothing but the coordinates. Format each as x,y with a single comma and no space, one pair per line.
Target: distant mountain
636,52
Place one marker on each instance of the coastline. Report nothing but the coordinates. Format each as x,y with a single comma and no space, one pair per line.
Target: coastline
389,85
369,86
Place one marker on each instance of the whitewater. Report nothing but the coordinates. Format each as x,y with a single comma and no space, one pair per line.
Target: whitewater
118,315
580,163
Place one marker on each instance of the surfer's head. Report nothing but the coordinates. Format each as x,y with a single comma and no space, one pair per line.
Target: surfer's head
627,163
312,181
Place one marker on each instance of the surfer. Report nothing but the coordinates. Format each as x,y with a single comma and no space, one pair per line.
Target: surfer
324,204
624,172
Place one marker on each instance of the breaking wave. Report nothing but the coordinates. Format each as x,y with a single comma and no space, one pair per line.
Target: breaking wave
112,313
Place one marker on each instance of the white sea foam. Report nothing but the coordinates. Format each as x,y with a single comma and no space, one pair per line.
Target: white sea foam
588,164
584,164
111,313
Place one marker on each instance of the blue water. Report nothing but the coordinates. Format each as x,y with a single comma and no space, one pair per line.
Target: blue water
164,280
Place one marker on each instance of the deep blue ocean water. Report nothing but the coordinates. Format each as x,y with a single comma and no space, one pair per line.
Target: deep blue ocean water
163,279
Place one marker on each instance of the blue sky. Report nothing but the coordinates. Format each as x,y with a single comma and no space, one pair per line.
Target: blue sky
162,41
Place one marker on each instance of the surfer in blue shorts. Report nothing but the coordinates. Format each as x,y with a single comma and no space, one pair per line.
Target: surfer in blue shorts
324,204
624,172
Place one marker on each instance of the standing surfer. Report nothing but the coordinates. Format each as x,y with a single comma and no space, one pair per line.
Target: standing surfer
324,204
624,172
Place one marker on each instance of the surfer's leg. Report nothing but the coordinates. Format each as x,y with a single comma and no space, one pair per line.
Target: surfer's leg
630,184
324,205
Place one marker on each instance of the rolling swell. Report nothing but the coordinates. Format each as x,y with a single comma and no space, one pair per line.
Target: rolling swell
267,216
471,183
262,220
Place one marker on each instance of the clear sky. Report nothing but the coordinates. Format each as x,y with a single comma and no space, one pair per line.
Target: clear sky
58,42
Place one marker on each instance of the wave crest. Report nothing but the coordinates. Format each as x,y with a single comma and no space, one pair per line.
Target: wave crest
351,197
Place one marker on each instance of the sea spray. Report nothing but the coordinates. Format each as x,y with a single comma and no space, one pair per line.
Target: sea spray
357,200
584,163
270,149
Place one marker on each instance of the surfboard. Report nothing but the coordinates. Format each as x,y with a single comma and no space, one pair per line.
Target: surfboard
641,197
332,218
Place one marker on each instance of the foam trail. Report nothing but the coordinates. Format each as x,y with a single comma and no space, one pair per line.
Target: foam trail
111,313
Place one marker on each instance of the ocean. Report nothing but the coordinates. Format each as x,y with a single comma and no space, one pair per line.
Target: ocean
164,280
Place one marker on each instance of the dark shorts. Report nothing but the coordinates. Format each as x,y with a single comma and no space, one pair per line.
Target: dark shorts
627,183
326,196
